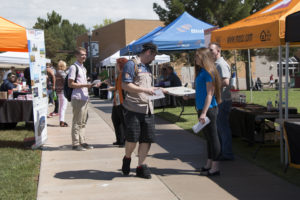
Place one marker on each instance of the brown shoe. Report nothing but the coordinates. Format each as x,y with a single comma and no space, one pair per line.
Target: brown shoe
63,124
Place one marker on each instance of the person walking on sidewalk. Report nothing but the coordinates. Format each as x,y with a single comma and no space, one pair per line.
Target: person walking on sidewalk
79,100
50,83
60,81
223,125
117,109
138,109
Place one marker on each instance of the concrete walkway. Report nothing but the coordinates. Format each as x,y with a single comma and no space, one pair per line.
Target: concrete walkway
96,174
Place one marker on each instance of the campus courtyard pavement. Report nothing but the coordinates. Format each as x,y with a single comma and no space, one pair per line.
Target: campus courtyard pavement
96,174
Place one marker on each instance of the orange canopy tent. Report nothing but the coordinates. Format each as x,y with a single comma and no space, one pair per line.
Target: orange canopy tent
264,29
12,36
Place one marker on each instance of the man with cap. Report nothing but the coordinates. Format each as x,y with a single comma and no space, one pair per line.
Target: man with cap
138,109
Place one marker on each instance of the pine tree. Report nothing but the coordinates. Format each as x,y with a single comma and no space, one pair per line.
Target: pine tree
60,36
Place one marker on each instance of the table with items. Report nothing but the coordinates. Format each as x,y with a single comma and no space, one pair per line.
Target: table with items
252,121
14,111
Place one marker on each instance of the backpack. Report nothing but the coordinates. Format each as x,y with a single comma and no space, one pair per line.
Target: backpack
67,90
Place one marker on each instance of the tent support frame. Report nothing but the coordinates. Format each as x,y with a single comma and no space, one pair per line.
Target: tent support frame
286,113
280,103
250,76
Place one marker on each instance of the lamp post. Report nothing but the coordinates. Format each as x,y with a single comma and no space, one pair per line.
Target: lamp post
90,33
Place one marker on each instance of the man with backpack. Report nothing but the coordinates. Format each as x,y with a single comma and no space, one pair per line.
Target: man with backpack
138,109
77,80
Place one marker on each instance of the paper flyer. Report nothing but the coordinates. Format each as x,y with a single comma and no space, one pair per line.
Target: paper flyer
158,95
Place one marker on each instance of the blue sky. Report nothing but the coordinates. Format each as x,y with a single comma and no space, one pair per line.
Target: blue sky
87,12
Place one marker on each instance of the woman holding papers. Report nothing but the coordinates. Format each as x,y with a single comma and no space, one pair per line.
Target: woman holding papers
208,95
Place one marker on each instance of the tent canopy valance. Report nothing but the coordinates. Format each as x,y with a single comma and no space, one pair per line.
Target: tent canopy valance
264,29
12,36
184,33
20,60
14,58
292,32
112,60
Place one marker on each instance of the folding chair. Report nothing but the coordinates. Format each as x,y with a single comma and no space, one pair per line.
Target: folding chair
292,136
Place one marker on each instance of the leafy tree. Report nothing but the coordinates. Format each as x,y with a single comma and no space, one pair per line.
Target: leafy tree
217,12
60,36
105,22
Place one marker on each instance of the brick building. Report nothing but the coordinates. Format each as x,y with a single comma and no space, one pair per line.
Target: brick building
115,36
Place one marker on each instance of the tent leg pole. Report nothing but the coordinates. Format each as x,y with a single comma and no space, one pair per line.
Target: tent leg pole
236,71
280,104
286,114
250,76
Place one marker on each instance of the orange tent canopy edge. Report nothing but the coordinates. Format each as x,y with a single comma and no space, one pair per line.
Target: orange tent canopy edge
263,29
12,36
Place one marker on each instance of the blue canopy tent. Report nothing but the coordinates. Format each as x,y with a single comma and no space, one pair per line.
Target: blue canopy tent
184,33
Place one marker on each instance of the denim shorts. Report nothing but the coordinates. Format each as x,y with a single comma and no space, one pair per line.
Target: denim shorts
139,127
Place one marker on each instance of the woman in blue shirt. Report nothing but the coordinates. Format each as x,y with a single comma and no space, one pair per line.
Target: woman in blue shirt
208,95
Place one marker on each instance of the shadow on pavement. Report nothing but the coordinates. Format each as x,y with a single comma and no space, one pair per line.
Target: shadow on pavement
102,175
88,174
69,147
168,171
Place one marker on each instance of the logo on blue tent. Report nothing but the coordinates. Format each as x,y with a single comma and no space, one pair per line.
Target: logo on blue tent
184,28
197,30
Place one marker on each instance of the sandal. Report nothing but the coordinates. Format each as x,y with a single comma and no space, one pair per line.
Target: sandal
63,124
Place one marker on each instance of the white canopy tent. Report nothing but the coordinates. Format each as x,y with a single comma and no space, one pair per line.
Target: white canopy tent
111,60
17,59
14,58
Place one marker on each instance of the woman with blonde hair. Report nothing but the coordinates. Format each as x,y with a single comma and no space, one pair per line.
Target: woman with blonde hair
208,96
60,81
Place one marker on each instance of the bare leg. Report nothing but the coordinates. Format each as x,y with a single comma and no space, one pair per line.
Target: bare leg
214,166
208,164
129,148
143,152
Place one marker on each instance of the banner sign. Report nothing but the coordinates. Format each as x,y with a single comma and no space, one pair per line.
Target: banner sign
38,75
94,47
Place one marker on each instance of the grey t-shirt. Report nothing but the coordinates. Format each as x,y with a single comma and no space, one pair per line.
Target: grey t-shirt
224,71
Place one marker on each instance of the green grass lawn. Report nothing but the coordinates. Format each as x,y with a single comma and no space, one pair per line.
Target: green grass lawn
261,97
19,165
267,157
